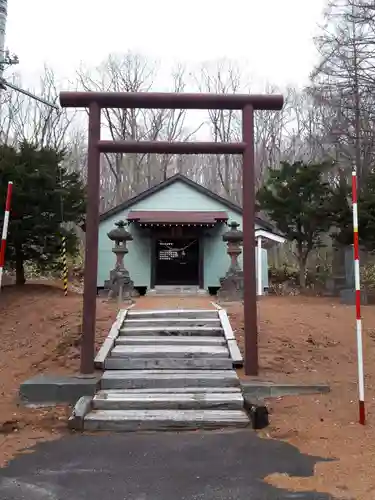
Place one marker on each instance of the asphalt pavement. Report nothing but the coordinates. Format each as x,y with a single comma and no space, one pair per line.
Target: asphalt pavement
157,466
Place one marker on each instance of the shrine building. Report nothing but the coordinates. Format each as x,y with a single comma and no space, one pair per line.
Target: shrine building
177,228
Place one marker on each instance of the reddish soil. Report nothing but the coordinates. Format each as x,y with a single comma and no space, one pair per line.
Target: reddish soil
301,340
39,332
306,340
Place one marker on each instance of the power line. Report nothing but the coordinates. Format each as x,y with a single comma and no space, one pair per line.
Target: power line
4,84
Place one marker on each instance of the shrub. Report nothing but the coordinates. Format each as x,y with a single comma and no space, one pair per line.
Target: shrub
368,276
285,280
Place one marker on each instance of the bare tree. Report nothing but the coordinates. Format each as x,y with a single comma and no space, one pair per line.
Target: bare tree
222,77
134,73
304,136
24,118
227,77
272,134
344,81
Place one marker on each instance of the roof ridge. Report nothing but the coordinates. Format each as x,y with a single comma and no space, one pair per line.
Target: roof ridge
178,176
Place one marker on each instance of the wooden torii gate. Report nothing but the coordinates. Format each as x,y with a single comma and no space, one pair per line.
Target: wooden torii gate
95,101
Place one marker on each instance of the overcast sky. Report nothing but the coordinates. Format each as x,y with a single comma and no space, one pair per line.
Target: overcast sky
271,38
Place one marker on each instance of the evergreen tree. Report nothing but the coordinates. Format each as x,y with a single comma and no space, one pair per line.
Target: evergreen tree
45,195
343,214
298,200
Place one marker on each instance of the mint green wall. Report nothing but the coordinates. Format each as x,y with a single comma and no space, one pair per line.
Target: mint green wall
216,259
177,196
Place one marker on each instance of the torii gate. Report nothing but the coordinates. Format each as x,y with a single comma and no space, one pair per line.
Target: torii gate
95,101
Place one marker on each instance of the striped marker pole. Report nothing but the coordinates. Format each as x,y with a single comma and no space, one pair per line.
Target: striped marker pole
65,266
5,229
361,382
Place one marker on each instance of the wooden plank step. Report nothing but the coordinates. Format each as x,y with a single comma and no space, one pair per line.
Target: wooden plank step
172,390
169,351
187,401
133,420
131,363
172,331
146,379
171,322
169,340
165,313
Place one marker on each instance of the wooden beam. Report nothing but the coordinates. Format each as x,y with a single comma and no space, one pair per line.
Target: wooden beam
164,147
161,100
109,342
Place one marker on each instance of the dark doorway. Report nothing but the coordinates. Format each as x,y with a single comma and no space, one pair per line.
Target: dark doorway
177,262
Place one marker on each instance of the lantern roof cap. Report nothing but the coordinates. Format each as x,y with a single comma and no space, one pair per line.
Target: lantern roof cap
120,234
233,235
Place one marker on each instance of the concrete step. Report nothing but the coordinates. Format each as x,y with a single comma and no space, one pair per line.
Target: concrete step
168,370
147,379
134,420
168,363
163,401
175,313
169,351
206,331
172,322
168,340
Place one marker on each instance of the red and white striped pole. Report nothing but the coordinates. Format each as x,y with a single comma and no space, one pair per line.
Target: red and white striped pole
5,229
361,381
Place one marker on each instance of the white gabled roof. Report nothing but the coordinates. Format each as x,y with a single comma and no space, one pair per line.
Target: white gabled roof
276,238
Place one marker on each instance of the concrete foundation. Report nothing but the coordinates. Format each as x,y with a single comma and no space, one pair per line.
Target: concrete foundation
253,390
81,409
347,296
56,389
254,394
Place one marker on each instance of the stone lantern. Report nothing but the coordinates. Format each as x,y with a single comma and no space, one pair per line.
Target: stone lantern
119,284
232,284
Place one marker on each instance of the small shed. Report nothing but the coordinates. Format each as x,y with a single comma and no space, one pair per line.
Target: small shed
177,228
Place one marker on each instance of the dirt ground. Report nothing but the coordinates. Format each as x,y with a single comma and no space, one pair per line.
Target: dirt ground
301,340
39,332
313,340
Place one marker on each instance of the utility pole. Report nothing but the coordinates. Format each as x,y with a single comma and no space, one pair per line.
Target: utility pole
3,22
5,58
